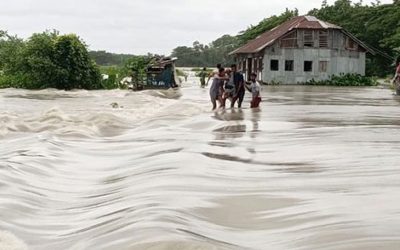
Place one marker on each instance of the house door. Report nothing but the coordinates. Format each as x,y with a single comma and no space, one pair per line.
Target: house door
260,68
249,68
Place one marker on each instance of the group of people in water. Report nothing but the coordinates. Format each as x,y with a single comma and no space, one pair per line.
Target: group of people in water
229,84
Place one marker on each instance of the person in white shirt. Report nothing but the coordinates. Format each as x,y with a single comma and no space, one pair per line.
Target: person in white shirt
255,89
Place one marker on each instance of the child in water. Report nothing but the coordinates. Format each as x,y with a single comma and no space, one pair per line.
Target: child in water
255,89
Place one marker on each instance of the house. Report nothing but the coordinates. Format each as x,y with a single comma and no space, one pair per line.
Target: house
302,49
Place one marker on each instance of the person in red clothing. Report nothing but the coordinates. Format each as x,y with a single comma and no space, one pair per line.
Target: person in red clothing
396,79
255,89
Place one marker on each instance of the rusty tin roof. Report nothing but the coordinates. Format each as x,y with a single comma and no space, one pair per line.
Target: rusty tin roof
301,22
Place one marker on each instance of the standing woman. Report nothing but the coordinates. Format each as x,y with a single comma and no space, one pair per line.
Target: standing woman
217,88
396,79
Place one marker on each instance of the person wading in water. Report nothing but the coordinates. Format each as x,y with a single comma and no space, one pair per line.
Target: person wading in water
234,88
217,88
214,73
203,74
255,89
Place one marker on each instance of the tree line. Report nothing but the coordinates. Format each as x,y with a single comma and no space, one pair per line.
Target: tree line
105,58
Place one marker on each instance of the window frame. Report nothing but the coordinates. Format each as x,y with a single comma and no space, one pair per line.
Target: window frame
323,66
308,39
291,68
323,39
351,44
311,66
271,64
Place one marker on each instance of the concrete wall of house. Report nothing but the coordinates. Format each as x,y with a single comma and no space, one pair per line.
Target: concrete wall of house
338,58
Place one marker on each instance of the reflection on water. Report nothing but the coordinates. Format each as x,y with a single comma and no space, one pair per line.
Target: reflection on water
313,168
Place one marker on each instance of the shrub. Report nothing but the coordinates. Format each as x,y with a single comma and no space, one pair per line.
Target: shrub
345,80
48,60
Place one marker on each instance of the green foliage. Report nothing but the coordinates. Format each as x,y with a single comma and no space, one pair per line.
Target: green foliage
104,58
113,73
200,55
181,73
10,48
47,60
345,80
136,67
207,55
12,81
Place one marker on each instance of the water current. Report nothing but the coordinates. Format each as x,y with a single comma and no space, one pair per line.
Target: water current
313,168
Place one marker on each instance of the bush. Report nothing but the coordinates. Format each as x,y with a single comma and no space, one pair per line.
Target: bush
47,60
345,80
113,73
137,68
181,73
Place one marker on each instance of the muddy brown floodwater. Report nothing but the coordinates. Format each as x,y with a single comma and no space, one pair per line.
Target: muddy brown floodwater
314,168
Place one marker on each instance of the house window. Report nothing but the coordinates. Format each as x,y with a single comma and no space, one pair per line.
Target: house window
274,65
289,41
308,66
308,38
323,39
323,66
289,65
350,44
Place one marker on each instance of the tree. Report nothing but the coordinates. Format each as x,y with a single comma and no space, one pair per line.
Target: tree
10,47
74,66
104,58
47,60
136,67
186,56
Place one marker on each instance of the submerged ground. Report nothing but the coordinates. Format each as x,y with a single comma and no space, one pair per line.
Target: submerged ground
315,168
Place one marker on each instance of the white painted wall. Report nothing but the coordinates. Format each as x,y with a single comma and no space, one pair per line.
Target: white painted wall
338,62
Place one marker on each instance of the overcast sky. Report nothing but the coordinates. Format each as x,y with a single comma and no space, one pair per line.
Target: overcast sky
141,26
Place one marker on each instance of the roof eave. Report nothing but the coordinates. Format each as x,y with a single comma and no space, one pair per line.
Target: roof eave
366,47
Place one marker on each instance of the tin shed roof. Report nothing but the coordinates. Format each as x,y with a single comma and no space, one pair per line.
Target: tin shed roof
301,22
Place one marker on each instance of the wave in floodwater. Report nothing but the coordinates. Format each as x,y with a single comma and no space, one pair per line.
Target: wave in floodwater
8,241
97,113
314,168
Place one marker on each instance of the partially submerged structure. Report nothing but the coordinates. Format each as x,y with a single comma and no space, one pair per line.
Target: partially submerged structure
160,74
302,49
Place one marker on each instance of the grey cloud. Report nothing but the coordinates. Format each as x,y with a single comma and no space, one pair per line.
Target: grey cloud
141,26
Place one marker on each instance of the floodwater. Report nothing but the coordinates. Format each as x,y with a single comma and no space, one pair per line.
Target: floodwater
314,168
